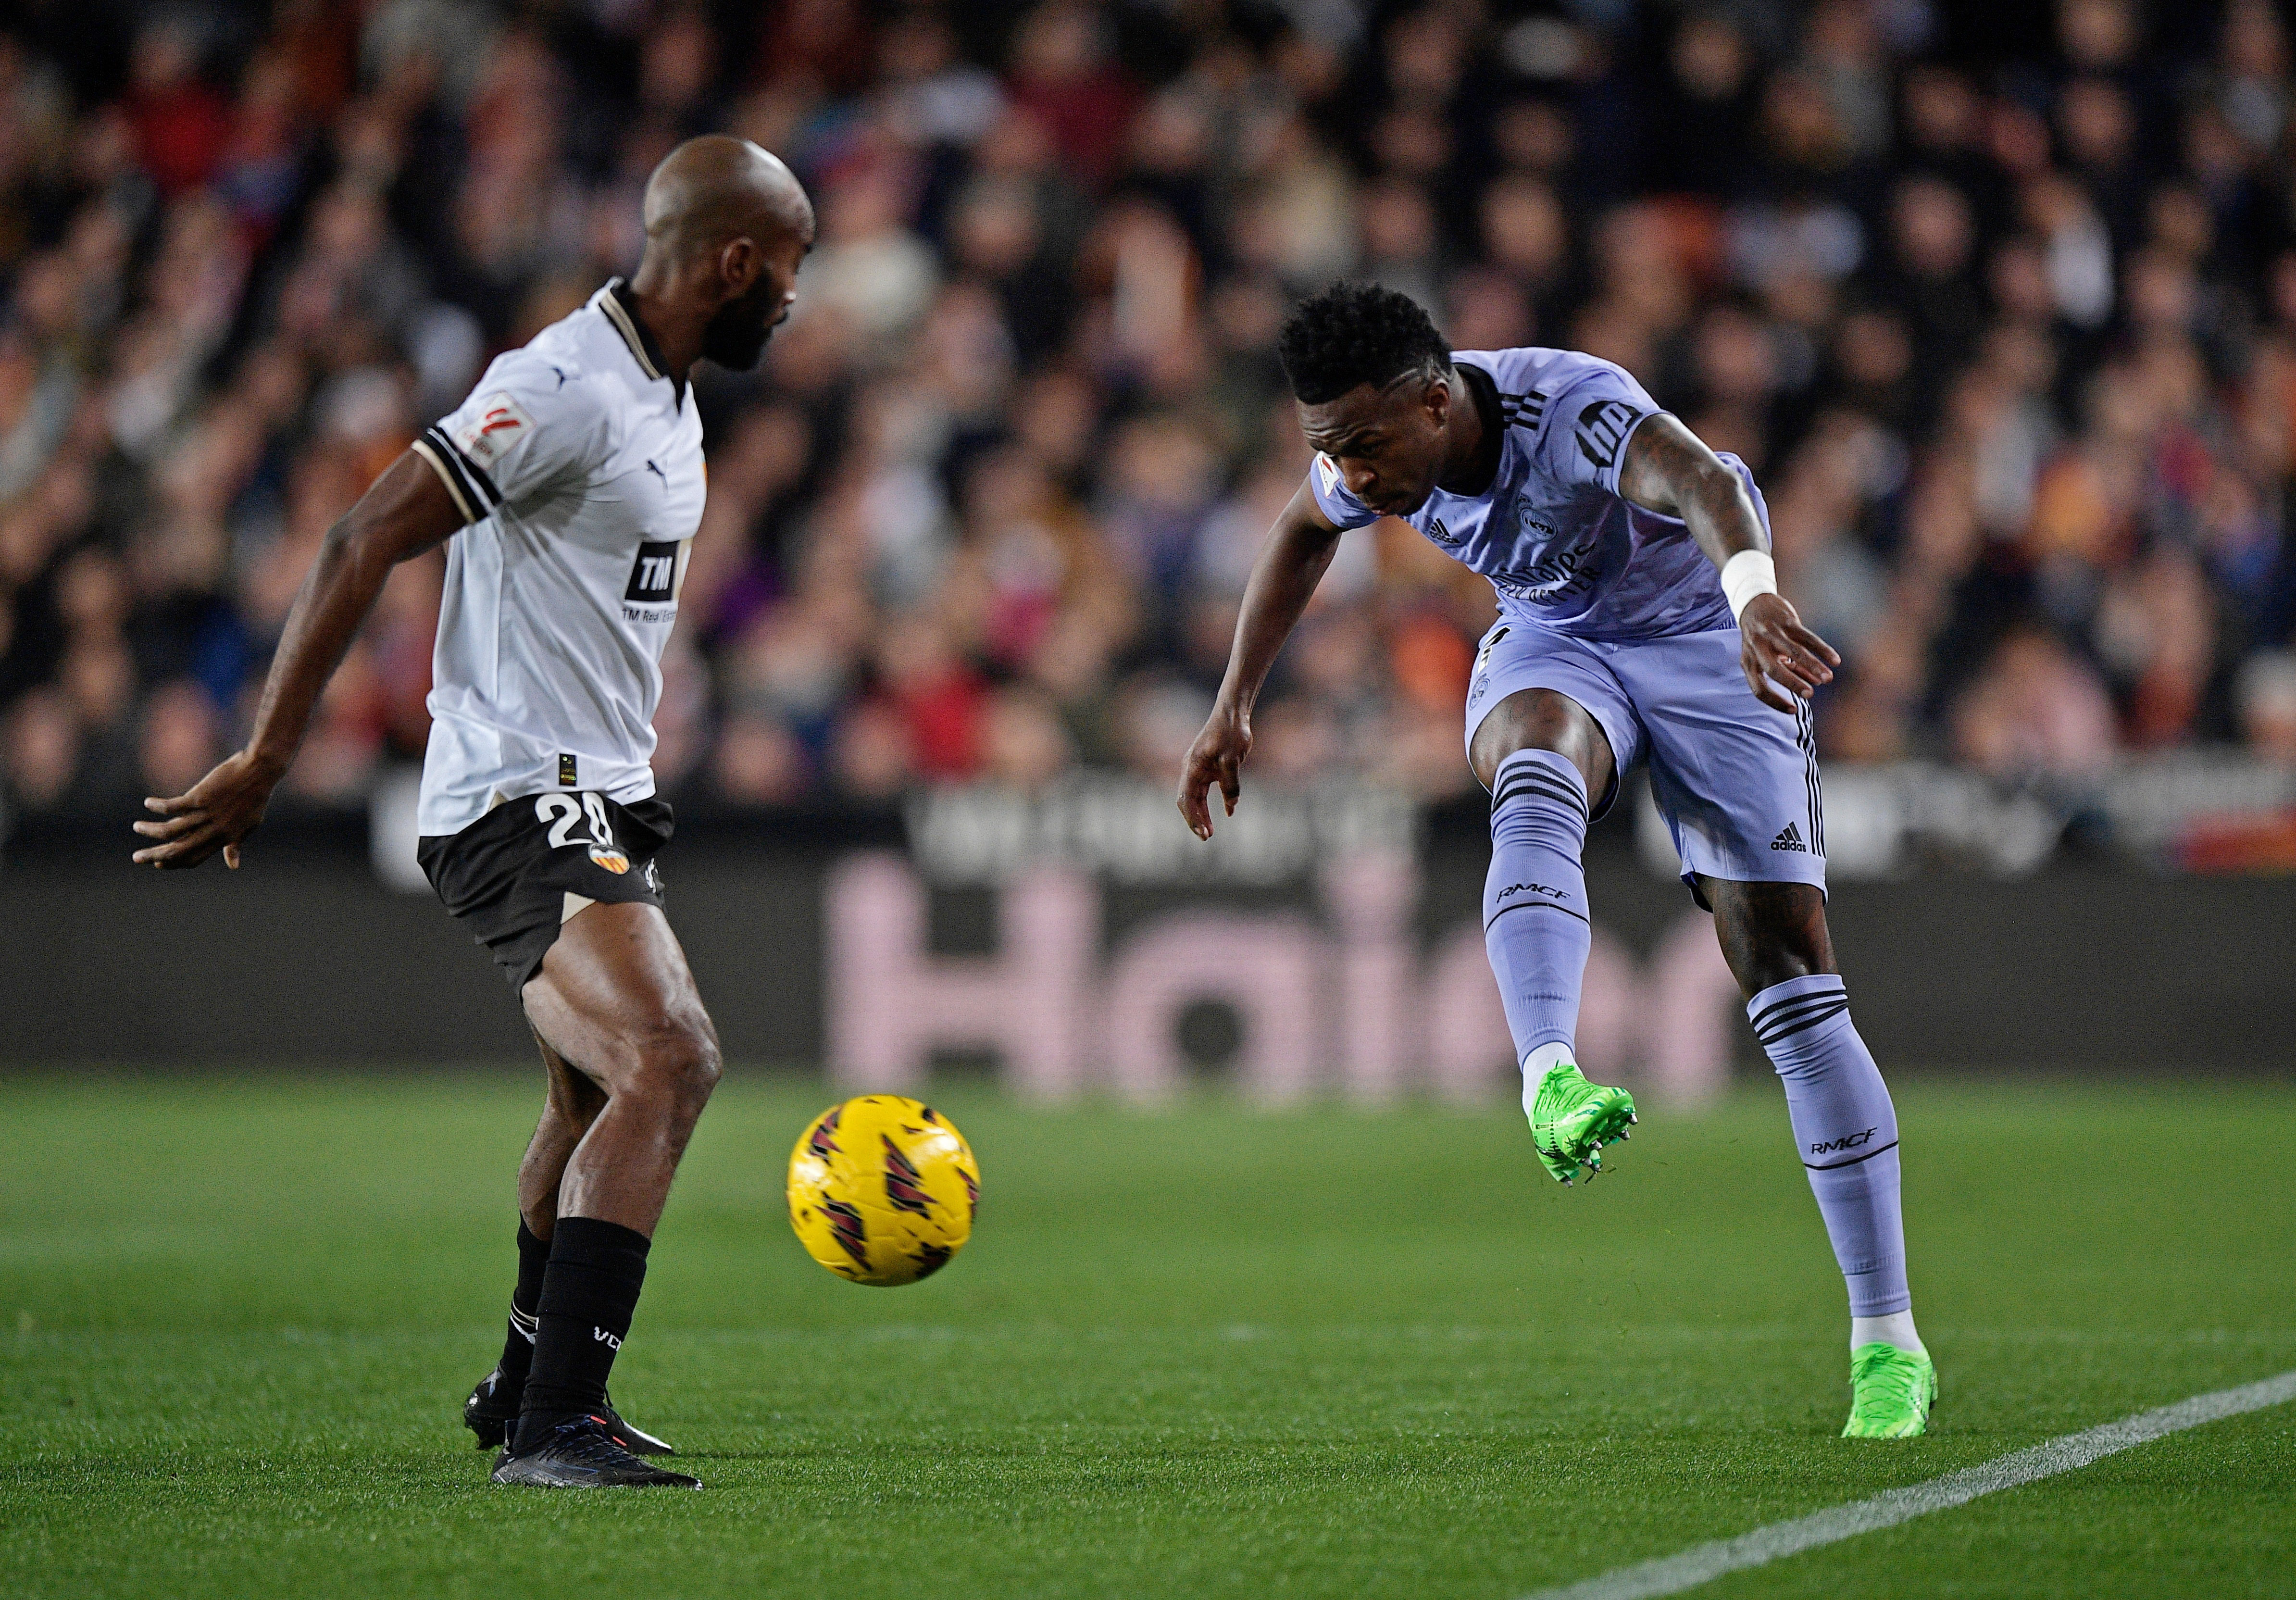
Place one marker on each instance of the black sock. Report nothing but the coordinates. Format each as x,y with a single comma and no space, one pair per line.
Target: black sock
596,1269
525,1302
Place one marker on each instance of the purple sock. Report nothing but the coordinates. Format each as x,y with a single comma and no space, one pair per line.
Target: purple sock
1535,899
1847,1130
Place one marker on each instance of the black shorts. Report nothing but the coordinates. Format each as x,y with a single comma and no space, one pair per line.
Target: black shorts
518,873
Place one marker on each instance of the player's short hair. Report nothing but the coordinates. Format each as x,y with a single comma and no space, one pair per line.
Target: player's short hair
1351,333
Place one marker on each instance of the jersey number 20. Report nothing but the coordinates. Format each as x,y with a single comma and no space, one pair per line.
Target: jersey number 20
561,813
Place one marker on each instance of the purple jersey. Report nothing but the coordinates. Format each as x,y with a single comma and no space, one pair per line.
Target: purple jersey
1552,533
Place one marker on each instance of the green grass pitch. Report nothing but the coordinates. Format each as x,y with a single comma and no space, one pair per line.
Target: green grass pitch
1209,1351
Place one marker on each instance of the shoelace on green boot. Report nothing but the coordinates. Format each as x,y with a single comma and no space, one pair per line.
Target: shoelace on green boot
1572,1120
1891,1391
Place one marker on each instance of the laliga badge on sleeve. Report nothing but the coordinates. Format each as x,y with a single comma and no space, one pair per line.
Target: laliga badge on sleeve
499,422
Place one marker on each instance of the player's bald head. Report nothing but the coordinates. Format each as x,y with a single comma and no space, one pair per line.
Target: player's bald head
714,189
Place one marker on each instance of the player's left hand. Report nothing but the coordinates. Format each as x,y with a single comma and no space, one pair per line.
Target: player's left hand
1217,756
219,810
1777,649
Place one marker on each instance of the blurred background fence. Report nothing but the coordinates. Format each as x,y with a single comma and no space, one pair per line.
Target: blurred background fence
1082,941
1999,301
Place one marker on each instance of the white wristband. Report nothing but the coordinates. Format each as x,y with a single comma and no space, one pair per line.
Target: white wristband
1745,575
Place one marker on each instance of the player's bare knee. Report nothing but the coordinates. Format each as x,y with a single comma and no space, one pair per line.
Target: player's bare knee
1770,932
678,1066
698,1078
574,1100
1543,719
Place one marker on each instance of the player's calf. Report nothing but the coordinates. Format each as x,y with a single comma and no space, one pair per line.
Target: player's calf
1535,919
598,1263
1846,1128
1776,938
589,1296
615,996
491,1412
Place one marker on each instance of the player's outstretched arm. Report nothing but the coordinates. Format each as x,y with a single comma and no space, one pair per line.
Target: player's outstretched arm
404,513
1291,563
1668,468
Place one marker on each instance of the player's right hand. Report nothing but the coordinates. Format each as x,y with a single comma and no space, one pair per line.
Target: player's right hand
219,810
1780,655
1217,756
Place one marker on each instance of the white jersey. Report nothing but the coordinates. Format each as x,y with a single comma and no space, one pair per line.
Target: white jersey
579,463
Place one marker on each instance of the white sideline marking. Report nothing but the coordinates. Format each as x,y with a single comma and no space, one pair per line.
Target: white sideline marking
1672,1574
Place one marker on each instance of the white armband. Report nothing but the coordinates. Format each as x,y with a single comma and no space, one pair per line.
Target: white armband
1745,575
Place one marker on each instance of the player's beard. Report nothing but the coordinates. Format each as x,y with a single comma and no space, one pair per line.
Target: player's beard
736,337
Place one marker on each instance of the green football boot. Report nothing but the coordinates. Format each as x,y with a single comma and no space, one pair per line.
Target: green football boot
1572,1120
1891,1391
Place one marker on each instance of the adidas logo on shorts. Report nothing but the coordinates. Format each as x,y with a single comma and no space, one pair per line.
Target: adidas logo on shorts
1790,839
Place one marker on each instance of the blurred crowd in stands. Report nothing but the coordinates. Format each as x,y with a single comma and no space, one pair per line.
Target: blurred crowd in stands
2000,302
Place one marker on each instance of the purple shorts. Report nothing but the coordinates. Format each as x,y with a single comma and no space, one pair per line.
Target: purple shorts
1735,780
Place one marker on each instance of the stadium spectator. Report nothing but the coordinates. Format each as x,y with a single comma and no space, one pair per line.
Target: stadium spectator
2011,340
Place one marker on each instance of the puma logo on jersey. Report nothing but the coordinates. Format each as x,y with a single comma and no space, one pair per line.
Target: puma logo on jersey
657,472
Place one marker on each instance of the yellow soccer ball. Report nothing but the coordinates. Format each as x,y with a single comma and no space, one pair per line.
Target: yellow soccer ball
882,1190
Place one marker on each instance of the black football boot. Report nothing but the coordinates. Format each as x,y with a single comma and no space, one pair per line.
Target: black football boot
579,1453
492,1413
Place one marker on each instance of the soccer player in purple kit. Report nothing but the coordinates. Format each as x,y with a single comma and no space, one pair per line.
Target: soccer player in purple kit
1639,618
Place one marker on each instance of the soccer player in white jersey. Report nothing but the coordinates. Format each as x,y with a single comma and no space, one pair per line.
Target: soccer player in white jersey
567,488
1639,618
